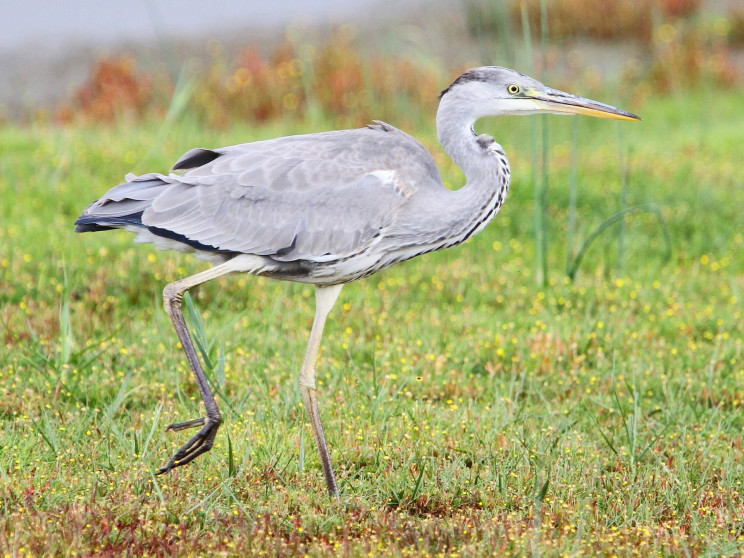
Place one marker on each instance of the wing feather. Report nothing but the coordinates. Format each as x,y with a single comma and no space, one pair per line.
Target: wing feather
316,197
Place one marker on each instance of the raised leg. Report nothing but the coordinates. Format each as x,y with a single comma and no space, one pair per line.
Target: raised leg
202,441
325,298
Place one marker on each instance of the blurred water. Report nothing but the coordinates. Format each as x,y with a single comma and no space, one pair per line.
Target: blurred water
48,47
46,23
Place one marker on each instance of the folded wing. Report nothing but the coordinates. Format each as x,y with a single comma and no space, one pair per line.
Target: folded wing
318,197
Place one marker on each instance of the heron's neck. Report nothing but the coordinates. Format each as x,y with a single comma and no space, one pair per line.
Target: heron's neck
482,160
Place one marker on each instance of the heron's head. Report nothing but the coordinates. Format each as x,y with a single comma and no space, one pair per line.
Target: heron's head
493,91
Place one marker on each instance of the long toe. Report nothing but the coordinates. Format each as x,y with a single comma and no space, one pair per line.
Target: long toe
200,443
188,424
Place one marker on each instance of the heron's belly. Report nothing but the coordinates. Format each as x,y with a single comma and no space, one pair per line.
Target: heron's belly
316,272
348,269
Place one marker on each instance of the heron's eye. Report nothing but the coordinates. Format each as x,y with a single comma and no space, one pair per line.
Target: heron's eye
513,89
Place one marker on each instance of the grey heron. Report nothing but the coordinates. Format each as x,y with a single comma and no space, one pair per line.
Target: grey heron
326,209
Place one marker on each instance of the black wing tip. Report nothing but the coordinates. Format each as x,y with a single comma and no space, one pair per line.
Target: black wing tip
86,224
195,158
91,223
90,227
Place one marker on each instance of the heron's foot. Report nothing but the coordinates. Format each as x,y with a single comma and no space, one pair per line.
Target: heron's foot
200,443
188,424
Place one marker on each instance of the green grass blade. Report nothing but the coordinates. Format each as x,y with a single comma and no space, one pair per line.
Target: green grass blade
617,218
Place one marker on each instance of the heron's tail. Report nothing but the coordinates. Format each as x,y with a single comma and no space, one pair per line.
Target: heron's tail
122,206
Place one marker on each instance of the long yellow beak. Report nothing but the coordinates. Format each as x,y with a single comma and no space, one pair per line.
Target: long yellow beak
560,102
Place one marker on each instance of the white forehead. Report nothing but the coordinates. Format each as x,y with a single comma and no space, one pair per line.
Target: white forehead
485,79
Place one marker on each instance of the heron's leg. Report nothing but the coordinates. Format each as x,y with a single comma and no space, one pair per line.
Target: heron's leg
202,441
325,298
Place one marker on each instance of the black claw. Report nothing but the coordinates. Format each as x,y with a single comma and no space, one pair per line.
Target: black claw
200,443
188,424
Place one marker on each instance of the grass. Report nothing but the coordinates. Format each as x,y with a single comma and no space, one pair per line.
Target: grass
469,410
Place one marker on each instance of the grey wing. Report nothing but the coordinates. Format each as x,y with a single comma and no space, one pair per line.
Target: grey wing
123,205
318,197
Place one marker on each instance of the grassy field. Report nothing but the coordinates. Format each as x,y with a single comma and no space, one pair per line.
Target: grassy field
470,409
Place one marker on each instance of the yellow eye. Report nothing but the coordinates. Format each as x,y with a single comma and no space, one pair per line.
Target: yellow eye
513,89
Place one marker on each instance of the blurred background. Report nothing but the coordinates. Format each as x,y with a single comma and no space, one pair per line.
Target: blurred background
344,59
